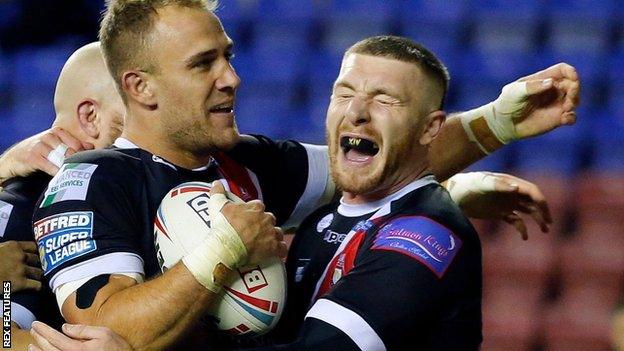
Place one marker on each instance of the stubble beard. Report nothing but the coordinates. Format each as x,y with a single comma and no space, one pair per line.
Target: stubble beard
353,182
200,138
373,179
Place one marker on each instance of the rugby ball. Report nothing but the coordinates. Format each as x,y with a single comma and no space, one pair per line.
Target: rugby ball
252,304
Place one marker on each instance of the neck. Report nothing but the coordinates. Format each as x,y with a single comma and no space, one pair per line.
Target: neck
386,190
150,138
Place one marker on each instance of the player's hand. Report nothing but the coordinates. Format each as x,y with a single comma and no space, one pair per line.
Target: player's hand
548,107
19,263
76,338
499,196
256,228
530,106
32,154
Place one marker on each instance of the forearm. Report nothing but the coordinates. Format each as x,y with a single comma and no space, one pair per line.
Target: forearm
151,315
451,151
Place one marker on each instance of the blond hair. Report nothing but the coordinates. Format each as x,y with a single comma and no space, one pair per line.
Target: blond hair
125,33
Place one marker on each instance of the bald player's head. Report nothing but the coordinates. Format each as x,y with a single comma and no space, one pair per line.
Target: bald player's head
86,101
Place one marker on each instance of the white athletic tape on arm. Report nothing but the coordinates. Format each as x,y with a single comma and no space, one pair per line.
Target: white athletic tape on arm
57,156
223,245
499,116
462,184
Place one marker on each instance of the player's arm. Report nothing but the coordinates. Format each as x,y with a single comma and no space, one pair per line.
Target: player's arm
44,151
156,314
530,106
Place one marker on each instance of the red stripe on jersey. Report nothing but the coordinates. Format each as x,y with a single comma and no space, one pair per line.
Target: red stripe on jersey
341,264
237,177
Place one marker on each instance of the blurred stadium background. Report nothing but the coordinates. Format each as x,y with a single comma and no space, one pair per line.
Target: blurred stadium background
556,291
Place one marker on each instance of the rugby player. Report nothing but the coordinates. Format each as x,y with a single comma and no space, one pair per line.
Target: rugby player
89,113
179,86
394,261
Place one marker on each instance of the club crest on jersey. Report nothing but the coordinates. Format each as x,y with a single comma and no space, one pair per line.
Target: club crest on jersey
5,215
363,226
64,237
70,183
324,223
422,239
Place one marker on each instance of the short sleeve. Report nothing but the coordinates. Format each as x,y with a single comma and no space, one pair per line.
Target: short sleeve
85,223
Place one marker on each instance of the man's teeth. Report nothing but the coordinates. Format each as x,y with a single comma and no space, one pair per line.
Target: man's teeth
360,145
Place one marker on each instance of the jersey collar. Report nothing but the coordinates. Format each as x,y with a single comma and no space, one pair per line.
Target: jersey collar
123,143
356,210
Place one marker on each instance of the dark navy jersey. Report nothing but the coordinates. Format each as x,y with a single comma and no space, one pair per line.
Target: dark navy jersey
96,216
401,273
17,201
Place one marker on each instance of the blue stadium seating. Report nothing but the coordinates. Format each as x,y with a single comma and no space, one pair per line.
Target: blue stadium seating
580,25
10,11
39,66
276,10
347,21
608,142
441,11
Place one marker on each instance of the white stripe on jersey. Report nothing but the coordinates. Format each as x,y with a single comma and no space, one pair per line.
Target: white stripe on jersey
112,263
318,176
21,316
349,322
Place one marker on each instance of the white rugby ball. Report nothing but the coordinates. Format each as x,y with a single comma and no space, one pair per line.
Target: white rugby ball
253,302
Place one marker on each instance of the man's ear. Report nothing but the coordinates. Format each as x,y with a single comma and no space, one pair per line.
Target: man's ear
86,112
432,127
138,87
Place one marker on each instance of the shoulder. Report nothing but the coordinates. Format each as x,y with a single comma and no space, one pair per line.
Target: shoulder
255,143
433,201
421,239
113,158
107,164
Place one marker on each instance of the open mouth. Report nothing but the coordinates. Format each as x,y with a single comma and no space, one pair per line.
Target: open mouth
358,149
227,107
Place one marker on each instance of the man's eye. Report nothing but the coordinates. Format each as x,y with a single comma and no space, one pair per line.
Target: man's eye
385,100
229,56
203,64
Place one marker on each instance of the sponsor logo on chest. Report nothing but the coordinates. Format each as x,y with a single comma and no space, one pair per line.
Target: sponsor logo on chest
70,183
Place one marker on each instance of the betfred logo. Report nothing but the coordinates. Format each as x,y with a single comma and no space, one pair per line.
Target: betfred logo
254,279
62,221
